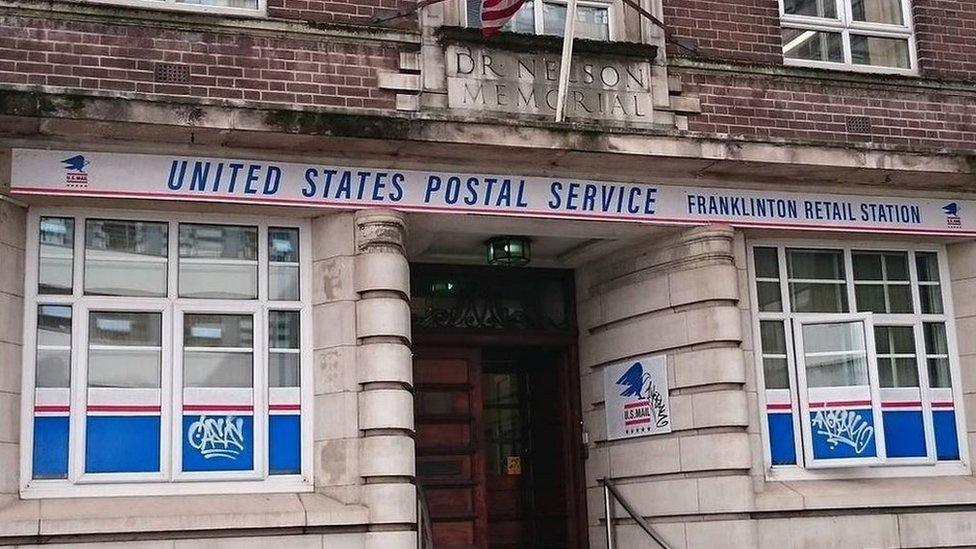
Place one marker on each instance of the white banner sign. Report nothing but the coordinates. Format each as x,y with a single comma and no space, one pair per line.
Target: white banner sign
636,397
162,177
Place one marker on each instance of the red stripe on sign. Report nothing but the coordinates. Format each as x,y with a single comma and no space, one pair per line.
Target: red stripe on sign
943,405
51,408
217,407
637,421
786,406
284,406
122,408
837,403
639,404
900,404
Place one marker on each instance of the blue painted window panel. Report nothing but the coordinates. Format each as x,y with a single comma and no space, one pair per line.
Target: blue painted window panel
831,443
946,438
284,445
904,433
50,447
122,444
782,444
218,443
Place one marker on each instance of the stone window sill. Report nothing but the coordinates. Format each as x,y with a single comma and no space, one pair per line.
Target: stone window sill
121,515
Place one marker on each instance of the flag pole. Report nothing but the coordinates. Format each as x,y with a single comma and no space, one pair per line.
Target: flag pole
569,33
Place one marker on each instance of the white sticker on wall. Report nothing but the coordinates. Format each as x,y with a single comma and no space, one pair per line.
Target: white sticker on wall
636,393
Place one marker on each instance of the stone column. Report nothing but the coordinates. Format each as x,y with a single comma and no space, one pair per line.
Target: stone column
385,370
676,296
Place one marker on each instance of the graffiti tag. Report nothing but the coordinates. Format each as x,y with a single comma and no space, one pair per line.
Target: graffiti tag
843,427
217,436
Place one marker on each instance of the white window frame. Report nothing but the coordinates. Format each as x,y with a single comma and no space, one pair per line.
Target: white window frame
169,480
537,16
173,5
895,467
845,25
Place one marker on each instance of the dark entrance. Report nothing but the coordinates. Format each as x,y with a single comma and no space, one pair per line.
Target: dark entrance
497,407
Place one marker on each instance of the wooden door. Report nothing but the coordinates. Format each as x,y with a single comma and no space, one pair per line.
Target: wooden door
450,469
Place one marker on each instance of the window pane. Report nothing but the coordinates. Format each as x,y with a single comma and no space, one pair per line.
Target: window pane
939,373
523,21
935,338
57,240
283,264
895,346
53,368
879,52
870,298
767,265
818,298
812,45
218,262
124,349
877,11
835,354
592,22
775,373
886,374
815,264
900,299
896,266
769,296
773,337
812,8
930,297
247,4
125,258
906,373
217,350
928,266
867,266
283,329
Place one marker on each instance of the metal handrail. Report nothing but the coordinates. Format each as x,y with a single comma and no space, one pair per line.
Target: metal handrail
610,489
425,535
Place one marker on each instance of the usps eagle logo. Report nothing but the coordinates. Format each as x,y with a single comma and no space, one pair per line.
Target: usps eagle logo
75,175
644,406
952,215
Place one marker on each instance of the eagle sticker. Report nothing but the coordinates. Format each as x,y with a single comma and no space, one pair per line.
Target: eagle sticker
636,393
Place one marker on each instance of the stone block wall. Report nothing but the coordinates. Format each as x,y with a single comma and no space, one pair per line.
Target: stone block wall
678,297
13,223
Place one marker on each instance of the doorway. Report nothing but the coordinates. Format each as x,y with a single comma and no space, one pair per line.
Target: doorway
497,417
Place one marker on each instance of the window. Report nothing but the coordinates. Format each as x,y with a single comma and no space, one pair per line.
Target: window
162,350
854,354
869,35
238,7
549,17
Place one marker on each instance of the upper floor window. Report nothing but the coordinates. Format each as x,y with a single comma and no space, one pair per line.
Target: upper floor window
240,7
165,350
855,354
549,17
868,35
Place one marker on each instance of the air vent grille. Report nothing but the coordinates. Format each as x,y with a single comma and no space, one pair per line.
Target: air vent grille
858,124
171,73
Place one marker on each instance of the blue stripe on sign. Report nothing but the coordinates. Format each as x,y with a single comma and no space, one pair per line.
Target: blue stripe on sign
223,442
50,447
122,444
782,445
285,456
946,439
904,433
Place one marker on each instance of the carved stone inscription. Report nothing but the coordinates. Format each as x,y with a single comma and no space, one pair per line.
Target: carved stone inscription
526,83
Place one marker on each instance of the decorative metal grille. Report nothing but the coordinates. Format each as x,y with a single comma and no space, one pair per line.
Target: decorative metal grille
858,124
492,298
171,73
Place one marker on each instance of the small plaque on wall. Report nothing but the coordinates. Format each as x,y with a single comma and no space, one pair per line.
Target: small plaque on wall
636,393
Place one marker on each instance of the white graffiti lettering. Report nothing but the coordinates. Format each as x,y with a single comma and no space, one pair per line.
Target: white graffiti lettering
217,436
843,427
656,401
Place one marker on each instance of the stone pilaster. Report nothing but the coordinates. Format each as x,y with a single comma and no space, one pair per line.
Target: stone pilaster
384,368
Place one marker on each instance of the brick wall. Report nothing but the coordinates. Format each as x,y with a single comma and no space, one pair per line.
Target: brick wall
340,11
738,29
946,33
94,56
760,106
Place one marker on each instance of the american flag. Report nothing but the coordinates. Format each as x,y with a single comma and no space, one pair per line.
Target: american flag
495,13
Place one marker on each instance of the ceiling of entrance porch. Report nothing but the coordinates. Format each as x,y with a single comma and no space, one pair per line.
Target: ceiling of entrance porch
460,239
